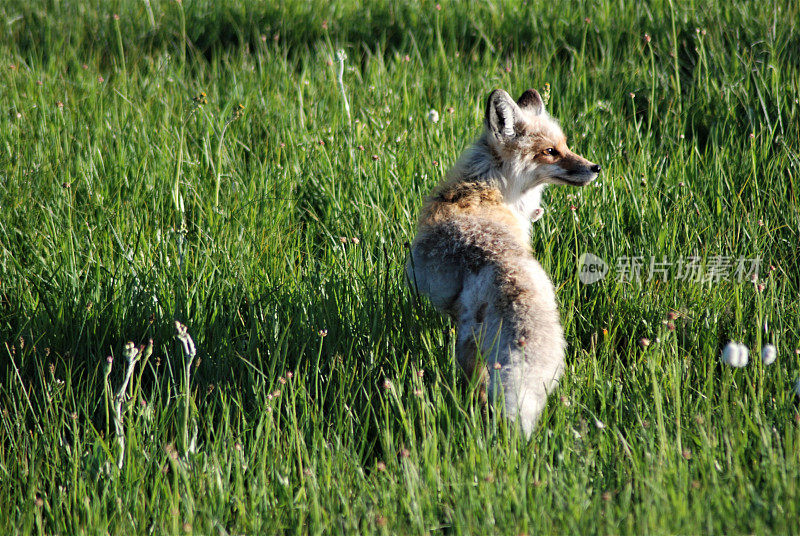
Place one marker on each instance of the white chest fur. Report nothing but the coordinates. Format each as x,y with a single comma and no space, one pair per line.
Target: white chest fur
527,207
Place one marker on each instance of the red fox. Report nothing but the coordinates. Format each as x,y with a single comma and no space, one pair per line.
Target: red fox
472,254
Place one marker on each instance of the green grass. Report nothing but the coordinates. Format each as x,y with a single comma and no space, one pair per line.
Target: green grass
128,201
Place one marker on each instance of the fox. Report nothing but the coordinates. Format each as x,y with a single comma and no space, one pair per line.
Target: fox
472,256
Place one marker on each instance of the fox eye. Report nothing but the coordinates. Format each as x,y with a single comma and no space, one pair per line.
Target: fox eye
550,151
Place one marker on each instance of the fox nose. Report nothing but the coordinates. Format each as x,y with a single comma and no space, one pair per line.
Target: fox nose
595,168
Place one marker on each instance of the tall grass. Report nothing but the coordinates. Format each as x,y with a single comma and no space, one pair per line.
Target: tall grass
324,394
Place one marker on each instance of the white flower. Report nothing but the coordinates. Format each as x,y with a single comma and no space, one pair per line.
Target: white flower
433,116
735,354
769,354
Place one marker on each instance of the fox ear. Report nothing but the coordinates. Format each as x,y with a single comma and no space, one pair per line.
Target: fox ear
531,101
501,114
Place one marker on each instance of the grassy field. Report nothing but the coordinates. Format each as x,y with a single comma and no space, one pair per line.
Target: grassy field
196,162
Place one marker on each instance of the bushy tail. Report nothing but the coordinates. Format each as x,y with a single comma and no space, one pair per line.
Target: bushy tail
521,389
508,315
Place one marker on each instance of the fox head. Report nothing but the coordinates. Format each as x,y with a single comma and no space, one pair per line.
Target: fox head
530,145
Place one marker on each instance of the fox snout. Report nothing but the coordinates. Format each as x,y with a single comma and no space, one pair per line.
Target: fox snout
579,171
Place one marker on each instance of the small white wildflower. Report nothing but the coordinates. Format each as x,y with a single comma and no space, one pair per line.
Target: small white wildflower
599,424
735,354
768,354
433,116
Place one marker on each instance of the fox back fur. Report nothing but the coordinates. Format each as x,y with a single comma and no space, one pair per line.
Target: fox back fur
472,255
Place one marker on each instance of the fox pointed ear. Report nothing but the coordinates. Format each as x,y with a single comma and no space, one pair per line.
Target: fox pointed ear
501,114
531,101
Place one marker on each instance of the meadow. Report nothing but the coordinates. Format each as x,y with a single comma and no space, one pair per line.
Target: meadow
225,166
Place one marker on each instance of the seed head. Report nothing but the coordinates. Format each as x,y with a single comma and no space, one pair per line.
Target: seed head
769,354
735,355
546,93
599,424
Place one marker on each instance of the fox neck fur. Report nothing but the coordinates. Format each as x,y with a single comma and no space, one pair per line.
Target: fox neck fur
481,167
